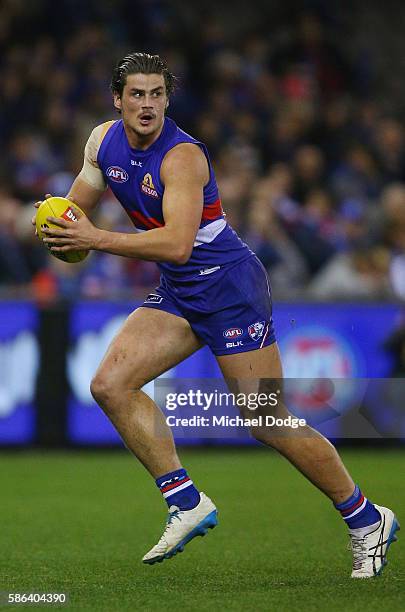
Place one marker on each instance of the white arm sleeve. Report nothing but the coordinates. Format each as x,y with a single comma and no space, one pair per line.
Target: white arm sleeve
91,173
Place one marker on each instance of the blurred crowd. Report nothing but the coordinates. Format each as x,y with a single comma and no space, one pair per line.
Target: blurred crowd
308,149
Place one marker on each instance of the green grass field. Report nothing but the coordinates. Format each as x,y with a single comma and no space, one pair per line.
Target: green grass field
80,523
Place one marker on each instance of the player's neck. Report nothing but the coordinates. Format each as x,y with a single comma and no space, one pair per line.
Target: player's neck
140,141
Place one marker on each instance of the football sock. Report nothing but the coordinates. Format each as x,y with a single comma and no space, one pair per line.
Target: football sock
358,511
178,490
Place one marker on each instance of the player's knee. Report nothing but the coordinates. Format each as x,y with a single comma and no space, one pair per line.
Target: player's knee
102,389
107,386
271,435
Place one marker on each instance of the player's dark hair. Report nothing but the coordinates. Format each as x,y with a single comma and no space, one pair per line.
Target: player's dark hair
143,63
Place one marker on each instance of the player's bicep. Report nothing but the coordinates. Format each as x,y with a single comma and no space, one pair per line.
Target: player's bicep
184,172
90,184
182,208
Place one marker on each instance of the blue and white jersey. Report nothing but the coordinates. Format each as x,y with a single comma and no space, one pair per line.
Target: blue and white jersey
134,177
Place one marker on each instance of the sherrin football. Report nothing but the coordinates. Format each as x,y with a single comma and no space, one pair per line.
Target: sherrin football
58,207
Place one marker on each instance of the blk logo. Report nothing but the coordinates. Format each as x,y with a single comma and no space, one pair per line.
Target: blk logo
234,344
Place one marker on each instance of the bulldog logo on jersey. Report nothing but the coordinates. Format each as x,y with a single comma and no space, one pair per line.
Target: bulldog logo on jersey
256,330
148,187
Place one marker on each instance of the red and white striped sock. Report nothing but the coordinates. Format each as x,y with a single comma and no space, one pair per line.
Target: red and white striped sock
178,490
358,511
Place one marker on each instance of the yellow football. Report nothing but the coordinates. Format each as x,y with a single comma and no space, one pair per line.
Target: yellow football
58,207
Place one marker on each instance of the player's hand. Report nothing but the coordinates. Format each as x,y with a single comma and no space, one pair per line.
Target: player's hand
80,235
37,205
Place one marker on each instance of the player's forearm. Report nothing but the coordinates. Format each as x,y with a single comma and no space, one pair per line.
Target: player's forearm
85,195
160,244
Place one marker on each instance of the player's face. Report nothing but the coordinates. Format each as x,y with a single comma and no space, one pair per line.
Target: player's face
143,104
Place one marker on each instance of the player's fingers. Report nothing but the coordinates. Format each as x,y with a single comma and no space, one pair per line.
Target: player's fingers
33,219
61,249
52,233
55,241
62,230
38,204
59,222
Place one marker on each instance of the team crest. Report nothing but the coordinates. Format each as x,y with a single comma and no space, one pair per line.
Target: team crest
148,187
256,330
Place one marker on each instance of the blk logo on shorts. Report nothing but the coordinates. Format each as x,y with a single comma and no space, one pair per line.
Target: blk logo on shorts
154,298
256,330
234,344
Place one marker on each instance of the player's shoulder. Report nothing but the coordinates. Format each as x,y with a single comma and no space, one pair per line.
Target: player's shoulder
184,158
95,140
101,130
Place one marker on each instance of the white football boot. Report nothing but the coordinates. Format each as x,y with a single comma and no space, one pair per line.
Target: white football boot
181,527
370,551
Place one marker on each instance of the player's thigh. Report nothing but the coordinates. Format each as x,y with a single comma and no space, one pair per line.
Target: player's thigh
255,372
150,342
261,363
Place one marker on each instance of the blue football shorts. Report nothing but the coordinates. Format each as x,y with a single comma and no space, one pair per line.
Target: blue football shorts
230,310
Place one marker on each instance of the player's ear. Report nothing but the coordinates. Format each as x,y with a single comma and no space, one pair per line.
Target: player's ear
117,102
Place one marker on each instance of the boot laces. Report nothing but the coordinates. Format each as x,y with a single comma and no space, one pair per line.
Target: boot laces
174,513
359,549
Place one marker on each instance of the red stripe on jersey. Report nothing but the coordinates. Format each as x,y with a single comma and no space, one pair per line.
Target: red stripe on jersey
175,484
353,508
148,222
212,211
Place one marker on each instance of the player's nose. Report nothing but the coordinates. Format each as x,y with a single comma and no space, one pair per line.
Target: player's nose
148,102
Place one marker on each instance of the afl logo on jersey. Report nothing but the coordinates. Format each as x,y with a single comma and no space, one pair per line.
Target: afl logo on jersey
148,187
117,174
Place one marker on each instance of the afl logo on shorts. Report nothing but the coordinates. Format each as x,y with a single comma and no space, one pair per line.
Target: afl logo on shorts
256,330
233,332
117,174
